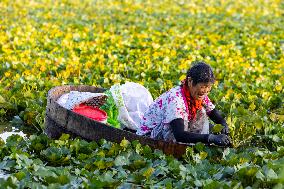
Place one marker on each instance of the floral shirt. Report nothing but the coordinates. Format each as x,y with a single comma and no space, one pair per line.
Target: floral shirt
169,106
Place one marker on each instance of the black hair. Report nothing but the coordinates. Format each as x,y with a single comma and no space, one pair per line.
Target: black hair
200,72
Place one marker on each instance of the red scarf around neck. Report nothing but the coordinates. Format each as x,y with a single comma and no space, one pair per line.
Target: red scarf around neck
192,104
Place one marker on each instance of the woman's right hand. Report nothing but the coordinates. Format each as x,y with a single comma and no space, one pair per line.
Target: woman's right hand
221,139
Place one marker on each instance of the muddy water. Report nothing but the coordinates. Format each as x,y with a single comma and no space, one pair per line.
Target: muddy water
3,174
7,130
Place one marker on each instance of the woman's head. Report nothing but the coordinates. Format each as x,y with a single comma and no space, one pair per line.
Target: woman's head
199,79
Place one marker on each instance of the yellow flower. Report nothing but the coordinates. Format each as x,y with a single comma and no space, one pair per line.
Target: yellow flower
278,86
7,74
42,68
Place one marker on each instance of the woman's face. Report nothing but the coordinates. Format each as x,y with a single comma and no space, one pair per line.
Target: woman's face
199,90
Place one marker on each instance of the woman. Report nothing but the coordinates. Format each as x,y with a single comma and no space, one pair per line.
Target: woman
181,114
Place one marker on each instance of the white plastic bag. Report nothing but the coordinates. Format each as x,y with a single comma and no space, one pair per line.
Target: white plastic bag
132,100
74,98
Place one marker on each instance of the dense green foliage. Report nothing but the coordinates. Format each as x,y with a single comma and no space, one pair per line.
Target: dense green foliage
40,162
45,43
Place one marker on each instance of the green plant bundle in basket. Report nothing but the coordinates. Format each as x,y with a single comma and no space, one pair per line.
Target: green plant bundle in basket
112,112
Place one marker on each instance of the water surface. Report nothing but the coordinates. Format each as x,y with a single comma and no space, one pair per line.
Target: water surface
6,130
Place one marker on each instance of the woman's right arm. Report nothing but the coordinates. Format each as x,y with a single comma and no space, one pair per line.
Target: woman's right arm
180,135
177,126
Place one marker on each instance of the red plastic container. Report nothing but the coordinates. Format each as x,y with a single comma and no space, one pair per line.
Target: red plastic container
91,112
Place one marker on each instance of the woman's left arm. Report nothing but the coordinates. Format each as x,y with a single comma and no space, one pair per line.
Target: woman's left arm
215,116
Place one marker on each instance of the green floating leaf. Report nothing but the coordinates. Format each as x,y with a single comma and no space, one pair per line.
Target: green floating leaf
61,179
203,155
260,175
198,183
199,146
2,100
20,175
56,156
124,143
11,182
148,172
64,137
270,174
44,172
121,160
217,128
